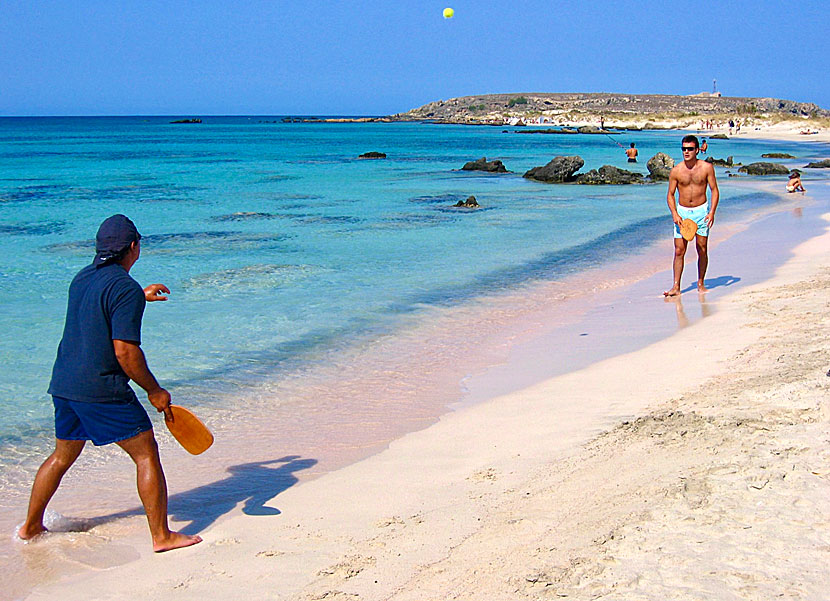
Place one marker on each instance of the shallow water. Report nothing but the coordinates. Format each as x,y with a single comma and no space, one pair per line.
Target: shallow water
321,304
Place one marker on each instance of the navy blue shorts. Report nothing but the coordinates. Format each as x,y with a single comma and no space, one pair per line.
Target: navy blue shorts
102,423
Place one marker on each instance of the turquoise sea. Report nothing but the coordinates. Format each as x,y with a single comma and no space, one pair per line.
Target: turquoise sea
285,252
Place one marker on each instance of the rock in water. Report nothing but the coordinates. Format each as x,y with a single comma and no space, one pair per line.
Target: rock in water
608,174
470,203
721,162
372,155
483,164
819,164
764,169
659,166
560,169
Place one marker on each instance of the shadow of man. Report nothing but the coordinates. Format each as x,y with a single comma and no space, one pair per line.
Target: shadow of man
252,484
718,282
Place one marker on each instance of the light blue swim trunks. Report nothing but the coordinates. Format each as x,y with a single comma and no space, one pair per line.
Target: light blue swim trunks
696,214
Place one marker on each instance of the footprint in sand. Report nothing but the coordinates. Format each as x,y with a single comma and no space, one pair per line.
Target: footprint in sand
348,568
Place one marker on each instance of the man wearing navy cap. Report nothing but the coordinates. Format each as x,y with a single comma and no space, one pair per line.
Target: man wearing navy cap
98,355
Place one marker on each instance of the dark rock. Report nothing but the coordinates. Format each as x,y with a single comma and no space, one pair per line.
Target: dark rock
589,129
483,164
764,169
187,121
721,162
819,165
777,155
659,167
719,137
608,174
560,169
470,203
372,155
563,130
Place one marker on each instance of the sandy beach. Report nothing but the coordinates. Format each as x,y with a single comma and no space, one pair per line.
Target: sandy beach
693,468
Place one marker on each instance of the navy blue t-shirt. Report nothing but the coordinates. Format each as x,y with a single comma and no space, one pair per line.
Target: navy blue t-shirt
105,304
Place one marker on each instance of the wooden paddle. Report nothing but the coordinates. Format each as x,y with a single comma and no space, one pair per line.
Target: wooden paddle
688,229
189,430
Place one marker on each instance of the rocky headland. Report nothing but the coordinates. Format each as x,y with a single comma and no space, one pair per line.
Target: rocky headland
635,111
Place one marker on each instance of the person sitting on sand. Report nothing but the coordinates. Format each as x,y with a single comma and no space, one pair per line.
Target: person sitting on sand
98,355
689,180
631,153
794,184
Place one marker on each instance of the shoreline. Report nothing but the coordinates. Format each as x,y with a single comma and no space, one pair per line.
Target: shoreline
293,503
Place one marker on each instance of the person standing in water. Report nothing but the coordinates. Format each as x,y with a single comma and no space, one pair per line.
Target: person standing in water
687,200
98,355
631,153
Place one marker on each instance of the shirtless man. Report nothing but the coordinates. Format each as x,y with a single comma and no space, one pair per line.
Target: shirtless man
631,153
690,179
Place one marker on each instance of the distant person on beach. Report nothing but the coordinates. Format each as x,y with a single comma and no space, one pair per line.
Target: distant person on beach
631,153
704,146
794,184
98,355
689,181
731,126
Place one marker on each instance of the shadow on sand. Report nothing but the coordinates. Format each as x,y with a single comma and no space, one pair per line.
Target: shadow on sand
252,484
711,284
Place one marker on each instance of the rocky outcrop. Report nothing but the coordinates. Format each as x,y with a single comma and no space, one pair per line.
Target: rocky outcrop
819,164
659,166
777,155
589,129
608,174
470,203
372,155
764,169
722,162
490,108
563,130
560,169
483,164
719,137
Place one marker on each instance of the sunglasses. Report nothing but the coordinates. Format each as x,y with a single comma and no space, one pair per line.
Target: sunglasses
688,148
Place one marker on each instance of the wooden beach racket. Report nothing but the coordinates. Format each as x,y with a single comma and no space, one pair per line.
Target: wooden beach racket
688,229
189,430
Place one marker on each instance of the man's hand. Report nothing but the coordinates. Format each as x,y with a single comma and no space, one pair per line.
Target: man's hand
156,292
160,399
677,219
709,219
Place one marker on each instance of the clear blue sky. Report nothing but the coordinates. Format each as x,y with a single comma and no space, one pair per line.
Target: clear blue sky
175,57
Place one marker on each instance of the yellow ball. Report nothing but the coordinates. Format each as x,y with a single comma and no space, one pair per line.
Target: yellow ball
448,13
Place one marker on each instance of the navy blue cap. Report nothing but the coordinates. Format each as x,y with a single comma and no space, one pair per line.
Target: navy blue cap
114,237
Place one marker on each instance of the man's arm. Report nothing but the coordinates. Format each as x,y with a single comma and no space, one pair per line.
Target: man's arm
134,363
670,198
713,203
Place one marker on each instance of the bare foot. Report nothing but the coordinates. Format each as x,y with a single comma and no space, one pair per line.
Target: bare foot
28,533
675,291
176,540
701,287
